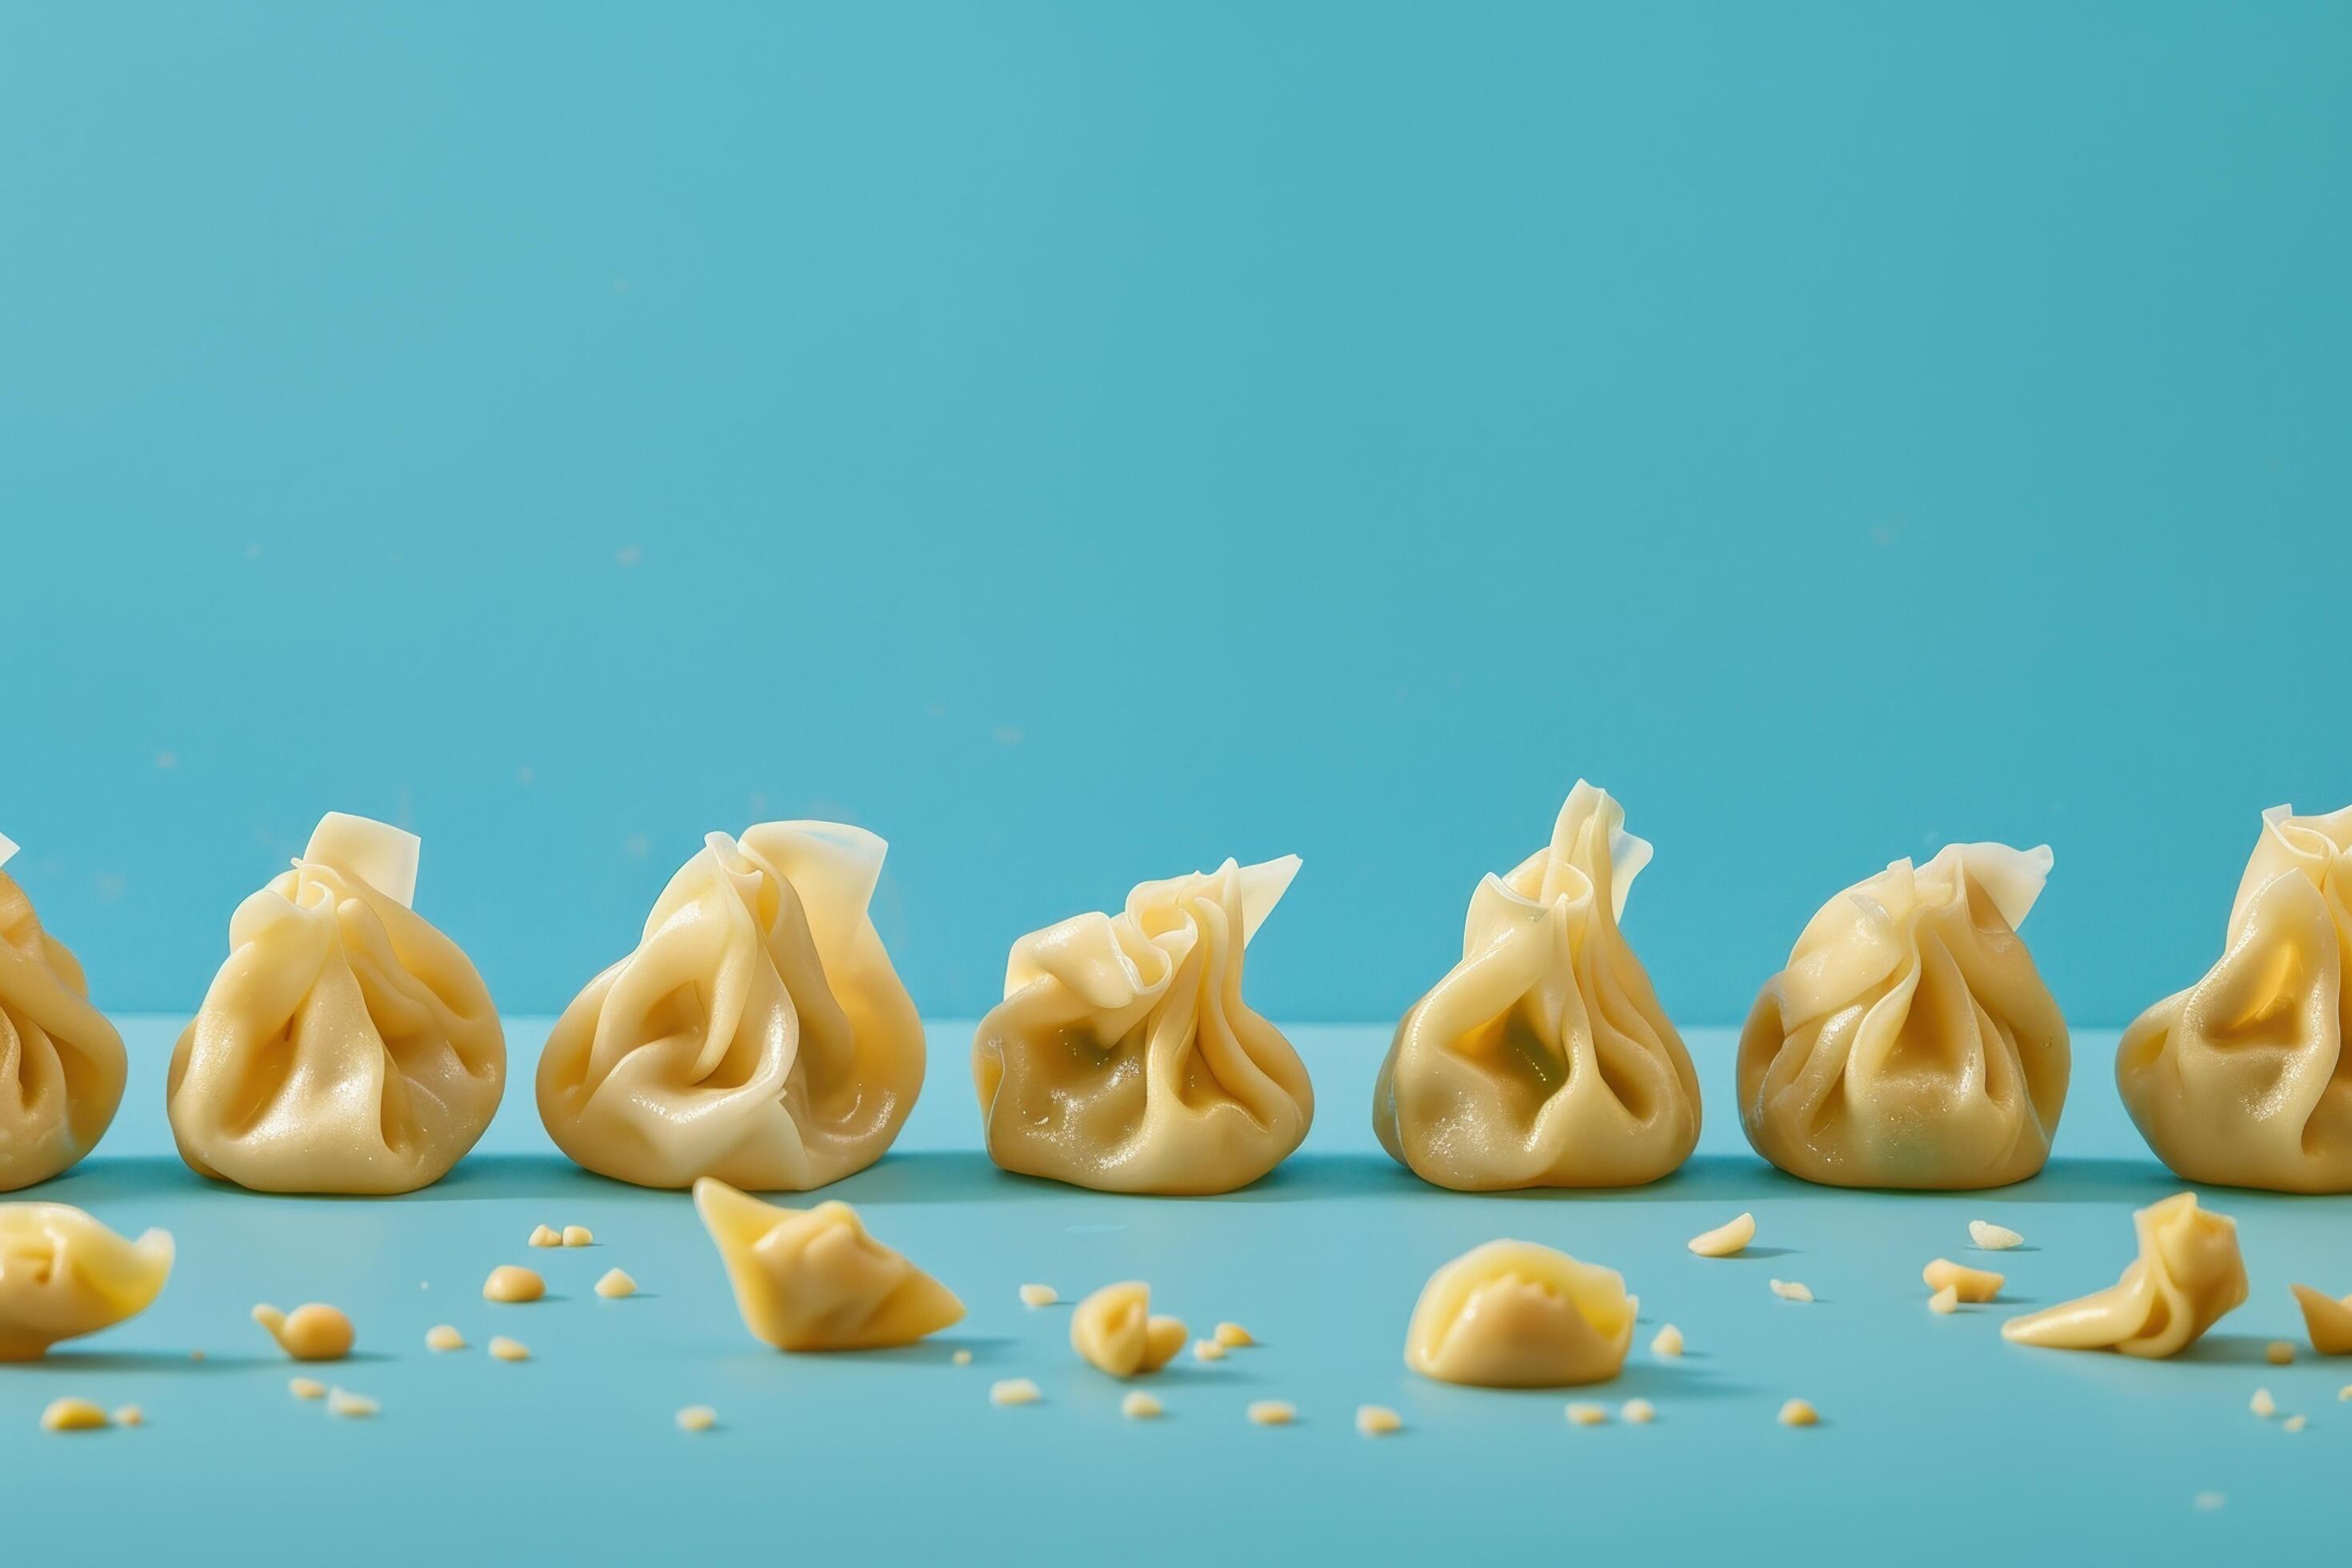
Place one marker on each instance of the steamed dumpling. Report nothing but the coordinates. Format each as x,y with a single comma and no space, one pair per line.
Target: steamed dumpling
2244,1079
61,1063
345,1045
758,1033
1123,1057
2188,1274
1512,1314
1910,1042
63,1275
812,1280
1543,1059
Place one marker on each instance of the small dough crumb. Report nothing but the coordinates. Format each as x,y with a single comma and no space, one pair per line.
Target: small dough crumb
1946,1301
1581,1414
343,1402
1725,1240
1377,1421
1208,1350
581,1236
1013,1391
1976,1285
2344,1393
72,1415
511,1283
2205,1502
1640,1411
1790,1290
1271,1412
1799,1413
505,1349
2278,1352
1993,1238
312,1331
1139,1405
962,1358
546,1236
2292,1423
1668,1342
443,1337
1039,1295
2262,1404
697,1418
616,1284
306,1388
195,1355
131,1416
1234,1337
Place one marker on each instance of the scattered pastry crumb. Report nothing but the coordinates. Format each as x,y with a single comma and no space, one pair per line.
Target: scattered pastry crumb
511,1283
1640,1411
1946,1301
195,1355
697,1418
2205,1502
1790,1290
1271,1412
1013,1391
2262,1404
1976,1285
1581,1414
2345,1392
1234,1337
581,1236
131,1416
2292,1423
1139,1405
72,1415
1667,1343
1725,1240
2278,1352
2328,1321
443,1337
1039,1295
306,1388
343,1402
1993,1238
546,1236
1377,1421
1799,1413
1208,1350
962,1358
616,1284
313,1332
505,1349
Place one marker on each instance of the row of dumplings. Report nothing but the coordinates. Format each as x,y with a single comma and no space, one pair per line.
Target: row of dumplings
758,1033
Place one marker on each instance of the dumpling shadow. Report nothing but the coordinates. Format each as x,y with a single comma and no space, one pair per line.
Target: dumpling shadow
938,1351
150,1362
2229,1350
104,1179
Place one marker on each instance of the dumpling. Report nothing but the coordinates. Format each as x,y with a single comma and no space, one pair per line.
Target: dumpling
1114,1330
63,1275
1910,1042
61,1063
1512,1314
812,1280
2244,1079
758,1033
346,1046
1543,1059
2188,1274
1123,1057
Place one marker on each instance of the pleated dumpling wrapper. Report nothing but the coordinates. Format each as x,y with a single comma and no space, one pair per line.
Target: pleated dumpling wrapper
1543,1059
346,1046
758,1033
2188,1274
1123,1057
2245,1078
812,1280
61,1063
1512,1314
63,1275
1910,1042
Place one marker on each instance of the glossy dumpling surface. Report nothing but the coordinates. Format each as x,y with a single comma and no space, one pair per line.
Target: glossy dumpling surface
812,1280
1511,1314
63,1274
61,1063
2188,1274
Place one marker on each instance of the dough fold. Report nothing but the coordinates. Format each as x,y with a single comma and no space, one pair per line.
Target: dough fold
2188,1274
61,1062
1511,1314
63,1275
812,1280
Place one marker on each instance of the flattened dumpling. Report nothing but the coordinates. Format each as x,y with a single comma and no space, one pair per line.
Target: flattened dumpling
812,1280
1512,1314
63,1275
61,1063
2188,1274
1114,1330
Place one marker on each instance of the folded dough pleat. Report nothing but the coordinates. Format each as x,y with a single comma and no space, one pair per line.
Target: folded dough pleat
61,1063
1544,1058
63,1274
759,1034
2188,1275
814,1279
2244,1077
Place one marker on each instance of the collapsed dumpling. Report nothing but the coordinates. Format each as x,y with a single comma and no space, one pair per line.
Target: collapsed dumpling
1114,1330
758,1033
345,1045
2244,1079
63,1275
2326,1319
1910,1042
812,1280
1543,1059
1512,1314
61,1063
2188,1274
1123,1057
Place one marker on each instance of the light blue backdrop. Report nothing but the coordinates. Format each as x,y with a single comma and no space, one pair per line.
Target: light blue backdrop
1083,441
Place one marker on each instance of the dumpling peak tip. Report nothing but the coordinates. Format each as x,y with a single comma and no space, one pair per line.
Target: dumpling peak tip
7,849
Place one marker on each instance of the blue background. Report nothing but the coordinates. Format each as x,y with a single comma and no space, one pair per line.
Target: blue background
1082,442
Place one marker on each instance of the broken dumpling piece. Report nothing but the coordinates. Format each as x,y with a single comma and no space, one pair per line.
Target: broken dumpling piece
1123,1057
1512,1314
61,1063
1114,1330
812,1280
63,1275
346,1046
1910,1041
2326,1320
2188,1274
759,1033
2244,1079
1543,1059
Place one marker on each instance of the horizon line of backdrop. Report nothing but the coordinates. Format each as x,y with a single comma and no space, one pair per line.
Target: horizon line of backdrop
1081,443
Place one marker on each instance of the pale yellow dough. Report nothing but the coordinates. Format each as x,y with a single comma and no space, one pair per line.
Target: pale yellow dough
312,1331
63,1275
1965,1283
2244,1079
2326,1320
1910,1042
514,1285
814,1281
61,1063
1123,1057
2188,1274
346,1046
759,1033
1511,1314
71,1415
1543,1059
1114,1330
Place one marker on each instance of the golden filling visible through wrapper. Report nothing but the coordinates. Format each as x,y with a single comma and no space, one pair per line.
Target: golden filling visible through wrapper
2244,1079
2188,1274
1910,1042
759,1034
63,1274
812,1280
61,1063
1511,1314
1543,1059
346,1046
1123,1057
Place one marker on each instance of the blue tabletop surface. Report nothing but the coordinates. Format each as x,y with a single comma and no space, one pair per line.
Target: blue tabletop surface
1940,1441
